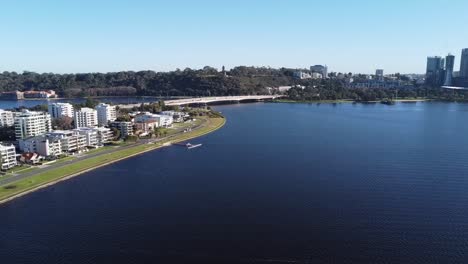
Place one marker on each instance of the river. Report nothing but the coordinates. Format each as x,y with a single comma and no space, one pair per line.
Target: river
280,183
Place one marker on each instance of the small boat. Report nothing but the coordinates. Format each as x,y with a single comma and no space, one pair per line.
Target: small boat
190,146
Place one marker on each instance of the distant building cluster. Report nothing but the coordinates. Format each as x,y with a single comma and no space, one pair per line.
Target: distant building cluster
18,95
379,80
315,72
440,71
36,138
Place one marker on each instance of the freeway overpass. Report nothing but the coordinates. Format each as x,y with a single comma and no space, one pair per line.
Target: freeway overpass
208,100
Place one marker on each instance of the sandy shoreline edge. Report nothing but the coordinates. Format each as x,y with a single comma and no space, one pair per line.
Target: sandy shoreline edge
67,177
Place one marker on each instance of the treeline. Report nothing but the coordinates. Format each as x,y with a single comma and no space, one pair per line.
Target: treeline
205,82
208,82
316,90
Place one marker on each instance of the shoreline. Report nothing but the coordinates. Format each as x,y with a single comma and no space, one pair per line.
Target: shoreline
65,177
94,97
348,101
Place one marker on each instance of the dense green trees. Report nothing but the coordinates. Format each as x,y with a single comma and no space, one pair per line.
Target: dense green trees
205,82
63,123
334,90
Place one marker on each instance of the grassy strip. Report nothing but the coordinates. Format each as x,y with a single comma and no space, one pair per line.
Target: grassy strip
51,176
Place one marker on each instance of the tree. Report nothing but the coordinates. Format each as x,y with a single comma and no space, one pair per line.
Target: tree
63,123
158,131
7,133
116,133
91,103
124,118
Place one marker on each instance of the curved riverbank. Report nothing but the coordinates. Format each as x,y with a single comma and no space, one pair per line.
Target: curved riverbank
339,101
43,180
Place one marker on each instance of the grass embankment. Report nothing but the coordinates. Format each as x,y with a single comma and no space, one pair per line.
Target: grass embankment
43,179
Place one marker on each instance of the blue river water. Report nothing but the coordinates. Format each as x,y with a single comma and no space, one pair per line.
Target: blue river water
280,183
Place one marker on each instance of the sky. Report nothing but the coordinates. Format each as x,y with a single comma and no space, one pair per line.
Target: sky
359,36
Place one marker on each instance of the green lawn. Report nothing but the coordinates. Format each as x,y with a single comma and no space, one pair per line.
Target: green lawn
55,174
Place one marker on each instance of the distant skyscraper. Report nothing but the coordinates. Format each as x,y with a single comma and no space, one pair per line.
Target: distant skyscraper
435,71
320,69
464,64
379,74
449,64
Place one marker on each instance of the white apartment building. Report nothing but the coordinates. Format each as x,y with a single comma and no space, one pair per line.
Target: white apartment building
58,110
106,114
178,117
162,120
90,134
43,145
69,140
86,117
7,118
29,124
8,156
104,135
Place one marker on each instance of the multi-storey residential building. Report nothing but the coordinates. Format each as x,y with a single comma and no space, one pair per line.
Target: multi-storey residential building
7,156
106,114
104,135
125,128
90,134
43,145
70,140
162,120
7,118
146,126
177,117
58,110
85,117
29,123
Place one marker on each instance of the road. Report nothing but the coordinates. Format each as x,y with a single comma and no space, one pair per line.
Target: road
52,166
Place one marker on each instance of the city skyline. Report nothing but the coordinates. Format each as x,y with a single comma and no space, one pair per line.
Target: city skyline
109,36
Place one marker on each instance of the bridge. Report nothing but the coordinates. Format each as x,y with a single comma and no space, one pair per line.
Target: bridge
454,88
208,100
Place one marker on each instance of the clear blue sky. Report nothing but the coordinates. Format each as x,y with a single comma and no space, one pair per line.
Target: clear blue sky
349,36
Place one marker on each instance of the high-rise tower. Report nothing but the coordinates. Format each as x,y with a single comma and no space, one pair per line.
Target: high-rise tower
435,71
464,64
449,64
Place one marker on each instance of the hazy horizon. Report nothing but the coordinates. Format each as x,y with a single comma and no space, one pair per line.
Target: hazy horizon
111,36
